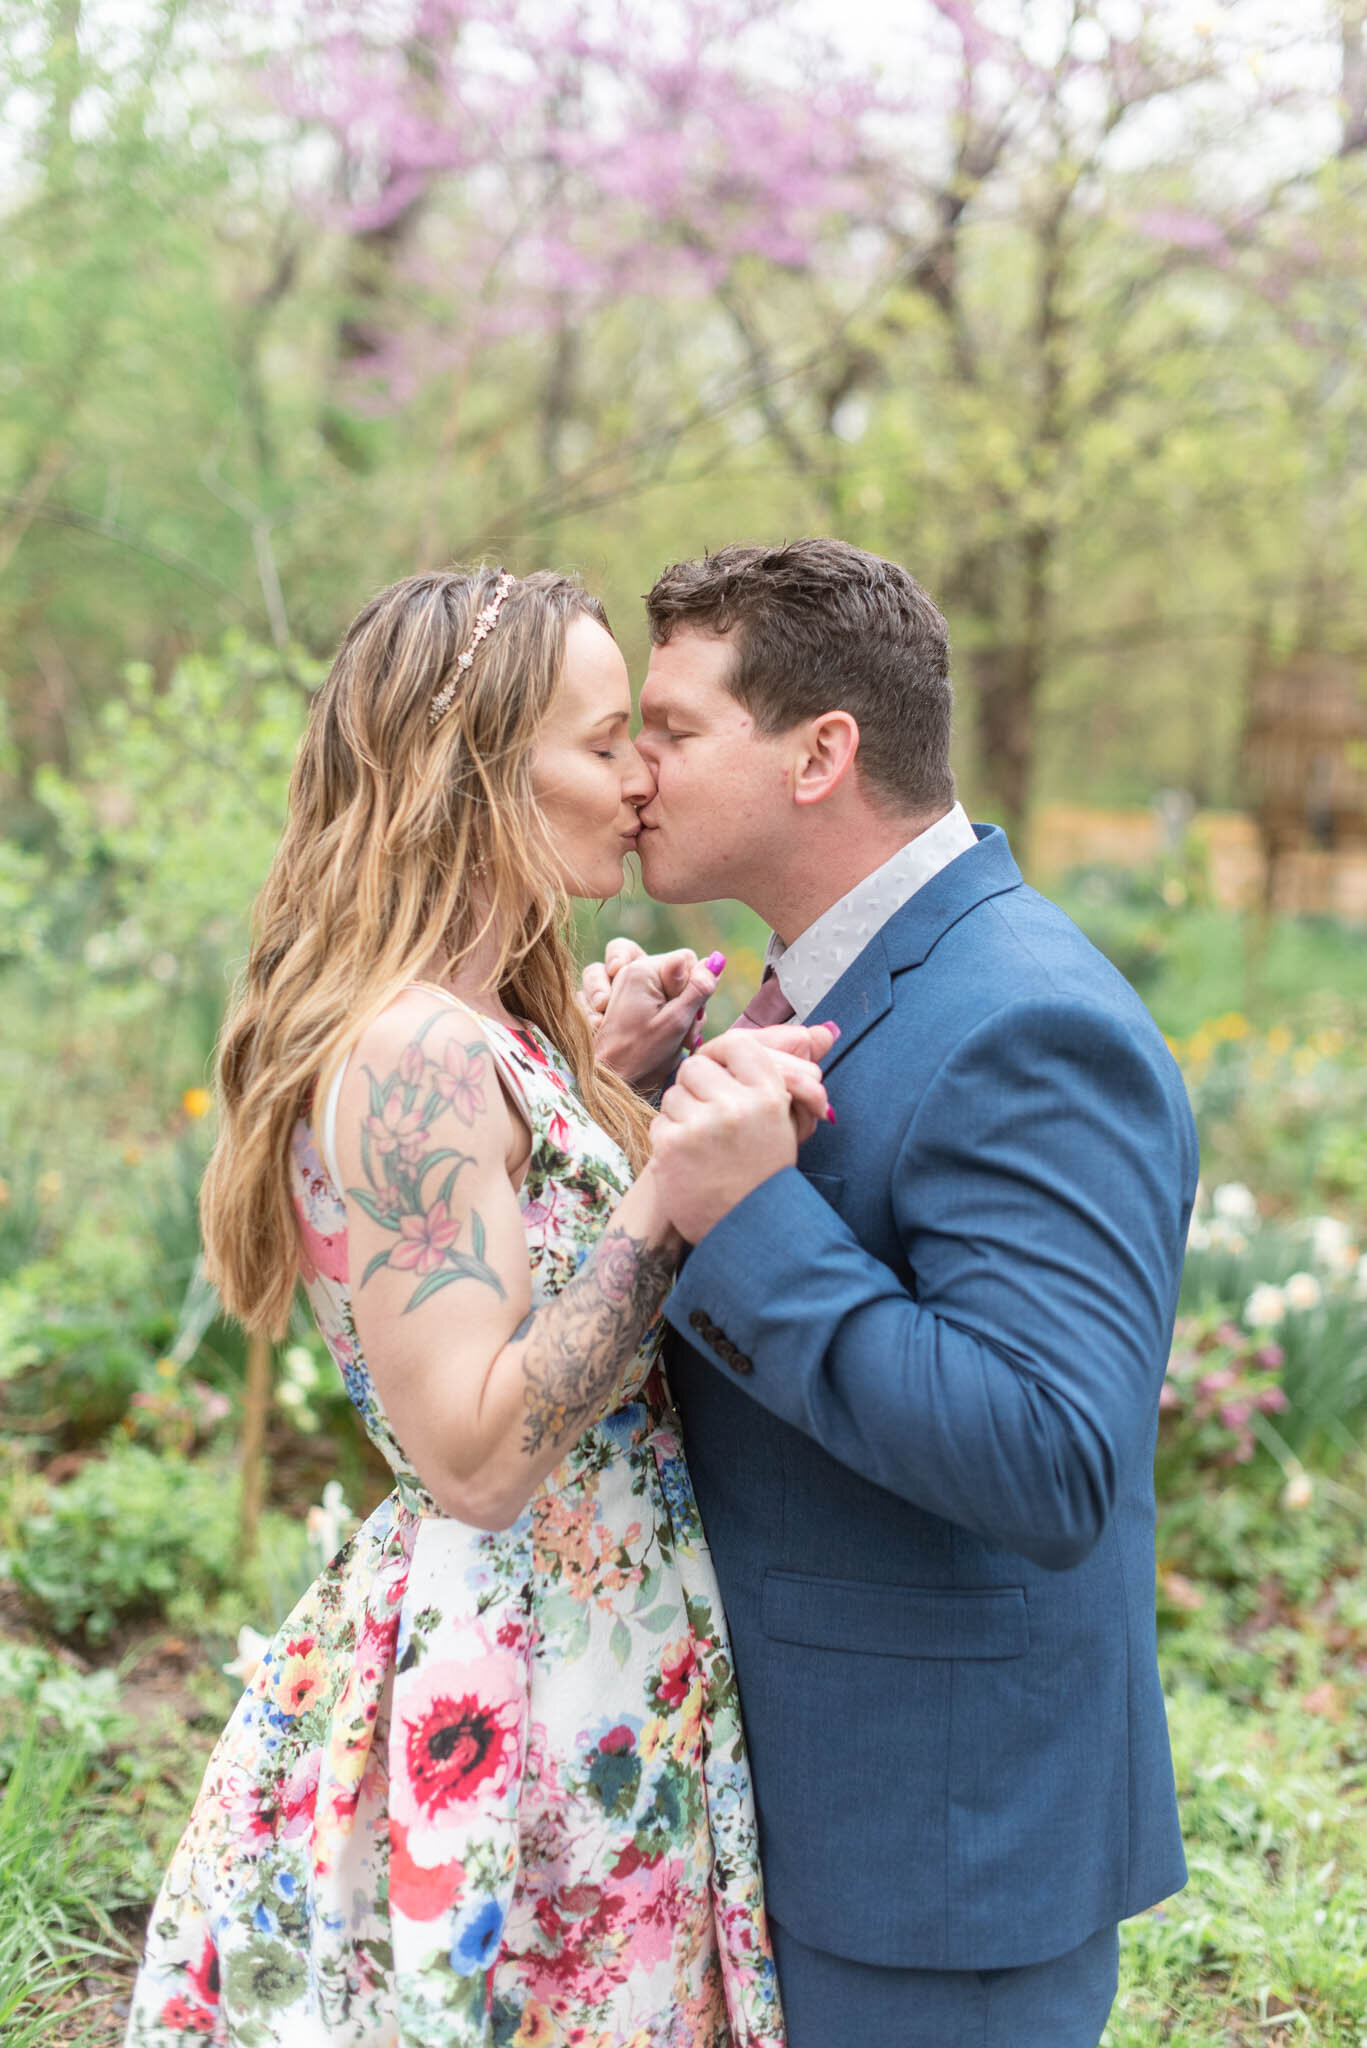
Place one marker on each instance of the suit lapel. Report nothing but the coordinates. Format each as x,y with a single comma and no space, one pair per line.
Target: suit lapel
863,993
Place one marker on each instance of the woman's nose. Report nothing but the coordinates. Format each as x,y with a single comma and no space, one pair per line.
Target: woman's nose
638,782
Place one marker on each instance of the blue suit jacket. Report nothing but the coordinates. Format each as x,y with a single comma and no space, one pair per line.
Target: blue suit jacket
919,1382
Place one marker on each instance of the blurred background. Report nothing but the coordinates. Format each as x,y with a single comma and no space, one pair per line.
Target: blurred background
1060,303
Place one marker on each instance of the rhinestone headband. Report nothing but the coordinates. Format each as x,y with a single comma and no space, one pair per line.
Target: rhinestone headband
484,625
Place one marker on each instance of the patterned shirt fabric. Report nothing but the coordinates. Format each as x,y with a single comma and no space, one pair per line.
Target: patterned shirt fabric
487,1789
810,968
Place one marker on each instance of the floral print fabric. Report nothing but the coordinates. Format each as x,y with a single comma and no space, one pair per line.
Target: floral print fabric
486,1789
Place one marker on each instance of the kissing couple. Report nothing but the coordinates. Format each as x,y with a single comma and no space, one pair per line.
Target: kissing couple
758,1644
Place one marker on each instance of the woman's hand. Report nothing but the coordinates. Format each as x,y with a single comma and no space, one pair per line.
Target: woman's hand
647,1007
728,1124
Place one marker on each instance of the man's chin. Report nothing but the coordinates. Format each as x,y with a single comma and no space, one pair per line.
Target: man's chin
663,882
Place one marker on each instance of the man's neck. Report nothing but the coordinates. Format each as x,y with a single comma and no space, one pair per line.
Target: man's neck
826,869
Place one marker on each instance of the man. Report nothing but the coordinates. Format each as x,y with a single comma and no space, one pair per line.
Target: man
918,1370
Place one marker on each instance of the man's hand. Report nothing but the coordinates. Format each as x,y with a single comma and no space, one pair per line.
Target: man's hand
733,1118
646,1007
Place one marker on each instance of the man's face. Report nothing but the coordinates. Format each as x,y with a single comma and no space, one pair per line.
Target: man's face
723,799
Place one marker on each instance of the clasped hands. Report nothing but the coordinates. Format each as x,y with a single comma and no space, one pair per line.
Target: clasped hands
738,1107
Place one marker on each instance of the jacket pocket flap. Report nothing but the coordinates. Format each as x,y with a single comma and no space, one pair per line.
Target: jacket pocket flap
895,1621
831,1185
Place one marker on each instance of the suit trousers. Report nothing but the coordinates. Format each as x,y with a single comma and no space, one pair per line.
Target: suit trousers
830,2002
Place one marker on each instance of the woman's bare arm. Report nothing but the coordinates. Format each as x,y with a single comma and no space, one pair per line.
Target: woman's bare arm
485,1394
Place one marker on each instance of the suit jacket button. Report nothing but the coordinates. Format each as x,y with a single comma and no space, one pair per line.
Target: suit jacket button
699,1322
738,1361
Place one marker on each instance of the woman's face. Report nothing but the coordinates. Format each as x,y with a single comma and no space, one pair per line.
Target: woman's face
588,777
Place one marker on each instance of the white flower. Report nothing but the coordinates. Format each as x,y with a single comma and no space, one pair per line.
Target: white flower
301,1365
1299,1491
1265,1307
251,1648
331,1522
1303,1291
1198,1236
1234,1203
1331,1245
1223,1237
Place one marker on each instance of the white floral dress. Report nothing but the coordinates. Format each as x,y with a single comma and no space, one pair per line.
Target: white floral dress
486,1789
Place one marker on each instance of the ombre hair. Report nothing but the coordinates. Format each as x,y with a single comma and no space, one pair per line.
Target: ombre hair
390,817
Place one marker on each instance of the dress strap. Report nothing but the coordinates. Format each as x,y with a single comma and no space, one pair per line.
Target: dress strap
327,1136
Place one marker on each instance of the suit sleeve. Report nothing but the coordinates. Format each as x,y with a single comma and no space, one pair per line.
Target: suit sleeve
1006,1376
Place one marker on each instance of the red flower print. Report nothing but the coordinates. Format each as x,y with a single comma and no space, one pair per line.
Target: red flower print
532,1049
204,1976
616,1739
456,1736
452,1750
396,1129
558,1131
300,1796
188,2019
512,1632
416,1891
425,1240
676,1674
460,1079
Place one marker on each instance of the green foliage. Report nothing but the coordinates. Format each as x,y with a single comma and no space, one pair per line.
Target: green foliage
1194,963
59,1878
129,1532
163,840
36,1684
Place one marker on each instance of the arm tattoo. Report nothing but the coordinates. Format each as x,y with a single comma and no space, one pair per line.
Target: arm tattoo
400,1157
580,1341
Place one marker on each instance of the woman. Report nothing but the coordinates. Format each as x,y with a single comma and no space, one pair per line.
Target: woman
487,1785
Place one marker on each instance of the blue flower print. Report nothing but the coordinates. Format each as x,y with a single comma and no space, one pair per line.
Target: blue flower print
477,1938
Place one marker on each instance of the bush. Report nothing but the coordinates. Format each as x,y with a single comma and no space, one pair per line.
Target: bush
131,1530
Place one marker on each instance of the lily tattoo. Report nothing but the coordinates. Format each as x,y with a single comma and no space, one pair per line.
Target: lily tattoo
400,1157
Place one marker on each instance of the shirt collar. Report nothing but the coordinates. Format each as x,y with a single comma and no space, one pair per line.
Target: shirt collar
810,968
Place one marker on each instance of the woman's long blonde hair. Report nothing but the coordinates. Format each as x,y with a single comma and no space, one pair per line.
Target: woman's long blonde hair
389,818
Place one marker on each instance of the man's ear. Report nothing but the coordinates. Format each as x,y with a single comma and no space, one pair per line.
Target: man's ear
824,755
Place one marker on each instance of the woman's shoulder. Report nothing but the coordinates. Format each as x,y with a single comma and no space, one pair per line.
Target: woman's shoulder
426,1053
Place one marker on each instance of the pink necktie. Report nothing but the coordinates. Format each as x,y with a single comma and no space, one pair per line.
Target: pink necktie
768,1005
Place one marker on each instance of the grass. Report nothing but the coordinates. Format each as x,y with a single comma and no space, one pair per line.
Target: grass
61,1878
1268,1942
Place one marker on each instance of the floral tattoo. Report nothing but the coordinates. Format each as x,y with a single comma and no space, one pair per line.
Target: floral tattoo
577,1344
401,1160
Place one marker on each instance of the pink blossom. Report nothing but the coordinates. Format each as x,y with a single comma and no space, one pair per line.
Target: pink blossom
460,1080
425,1240
396,1128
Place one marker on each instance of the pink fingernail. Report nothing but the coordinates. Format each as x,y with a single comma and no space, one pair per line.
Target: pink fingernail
715,962
834,1029
830,1114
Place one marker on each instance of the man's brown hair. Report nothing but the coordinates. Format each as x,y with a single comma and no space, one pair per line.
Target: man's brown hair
819,626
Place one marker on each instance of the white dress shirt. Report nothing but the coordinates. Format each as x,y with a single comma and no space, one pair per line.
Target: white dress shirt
810,968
